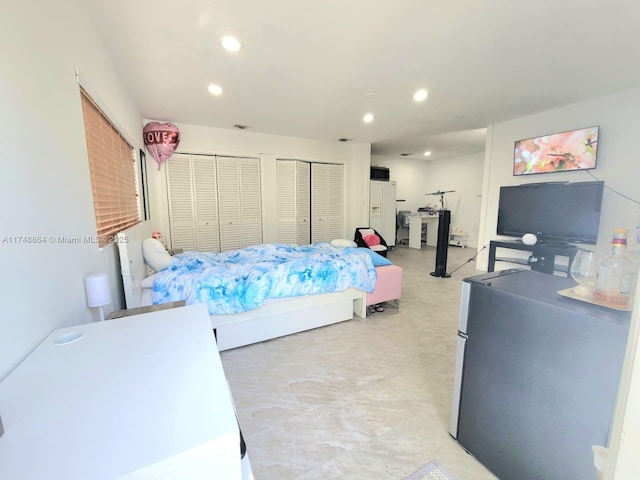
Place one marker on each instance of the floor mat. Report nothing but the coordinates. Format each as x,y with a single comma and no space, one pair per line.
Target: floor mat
431,471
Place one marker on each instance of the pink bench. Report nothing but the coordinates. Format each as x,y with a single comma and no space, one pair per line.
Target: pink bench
388,285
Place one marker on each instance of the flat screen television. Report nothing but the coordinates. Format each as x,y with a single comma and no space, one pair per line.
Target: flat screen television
556,212
559,152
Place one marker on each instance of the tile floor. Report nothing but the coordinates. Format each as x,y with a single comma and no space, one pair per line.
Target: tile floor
363,399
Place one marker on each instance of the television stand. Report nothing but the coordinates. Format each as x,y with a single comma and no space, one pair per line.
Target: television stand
542,258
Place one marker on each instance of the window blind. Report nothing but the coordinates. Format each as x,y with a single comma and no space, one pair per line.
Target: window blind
113,173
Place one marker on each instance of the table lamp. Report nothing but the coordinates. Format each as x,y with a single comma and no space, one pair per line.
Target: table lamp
98,293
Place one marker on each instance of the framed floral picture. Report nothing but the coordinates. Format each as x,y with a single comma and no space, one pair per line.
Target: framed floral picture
559,152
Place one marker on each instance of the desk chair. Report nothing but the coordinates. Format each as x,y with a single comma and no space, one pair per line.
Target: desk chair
379,245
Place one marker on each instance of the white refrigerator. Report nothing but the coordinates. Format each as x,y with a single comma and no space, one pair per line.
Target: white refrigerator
382,209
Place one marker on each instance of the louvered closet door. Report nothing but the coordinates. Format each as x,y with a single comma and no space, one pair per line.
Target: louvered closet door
206,203
250,202
286,201
229,203
181,209
318,202
303,171
335,202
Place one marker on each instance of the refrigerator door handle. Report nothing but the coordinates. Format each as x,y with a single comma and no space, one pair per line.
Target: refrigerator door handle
457,384
464,306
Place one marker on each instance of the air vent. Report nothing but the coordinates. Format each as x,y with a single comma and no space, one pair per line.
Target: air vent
241,127
405,154
344,139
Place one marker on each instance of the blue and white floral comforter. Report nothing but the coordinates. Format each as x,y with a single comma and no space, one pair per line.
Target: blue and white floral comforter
242,280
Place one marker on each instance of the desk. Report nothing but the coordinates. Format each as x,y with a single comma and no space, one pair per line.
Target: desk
138,398
148,309
415,230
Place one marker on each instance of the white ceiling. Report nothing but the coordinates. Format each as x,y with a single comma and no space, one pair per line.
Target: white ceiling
306,65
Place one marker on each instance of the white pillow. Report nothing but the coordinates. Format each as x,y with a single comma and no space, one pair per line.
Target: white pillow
155,254
342,242
148,282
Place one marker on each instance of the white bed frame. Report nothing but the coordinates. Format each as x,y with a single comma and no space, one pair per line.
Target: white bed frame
275,318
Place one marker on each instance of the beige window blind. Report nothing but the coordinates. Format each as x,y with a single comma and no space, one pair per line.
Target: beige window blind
113,173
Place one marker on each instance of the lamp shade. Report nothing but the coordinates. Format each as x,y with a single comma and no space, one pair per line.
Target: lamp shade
98,293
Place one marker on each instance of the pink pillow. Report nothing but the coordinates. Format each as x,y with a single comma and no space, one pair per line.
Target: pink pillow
372,240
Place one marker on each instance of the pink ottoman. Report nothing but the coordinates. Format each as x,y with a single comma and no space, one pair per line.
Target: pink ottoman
388,285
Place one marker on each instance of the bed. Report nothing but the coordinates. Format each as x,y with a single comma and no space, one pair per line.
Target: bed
274,318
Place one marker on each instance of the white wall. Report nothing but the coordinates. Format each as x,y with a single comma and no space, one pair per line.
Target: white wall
463,174
617,160
619,167
45,188
355,156
409,175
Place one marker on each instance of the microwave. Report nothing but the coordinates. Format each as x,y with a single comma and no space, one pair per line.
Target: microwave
379,173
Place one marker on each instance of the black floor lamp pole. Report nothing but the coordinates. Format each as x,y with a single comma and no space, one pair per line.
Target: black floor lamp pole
444,219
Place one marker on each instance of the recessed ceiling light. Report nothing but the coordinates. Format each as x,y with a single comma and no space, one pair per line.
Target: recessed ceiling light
427,153
368,118
215,89
370,94
420,95
231,44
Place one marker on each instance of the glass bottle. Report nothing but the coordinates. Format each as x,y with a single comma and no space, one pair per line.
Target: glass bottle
616,274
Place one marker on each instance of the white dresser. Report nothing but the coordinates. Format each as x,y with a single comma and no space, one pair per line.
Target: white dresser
141,397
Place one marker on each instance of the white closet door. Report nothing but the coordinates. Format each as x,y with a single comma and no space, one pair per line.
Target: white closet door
229,203
182,226
303,184
250,202
206,203
327,202
335,201
215,203
286,196
318,202
239,202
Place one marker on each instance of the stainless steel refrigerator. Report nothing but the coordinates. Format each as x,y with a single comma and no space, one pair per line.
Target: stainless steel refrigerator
536,376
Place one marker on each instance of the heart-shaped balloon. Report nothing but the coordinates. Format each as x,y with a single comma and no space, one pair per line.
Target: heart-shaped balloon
161,140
